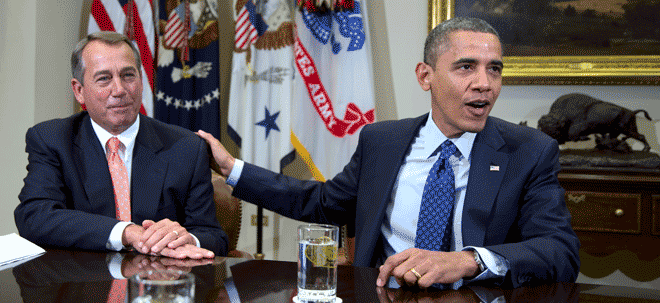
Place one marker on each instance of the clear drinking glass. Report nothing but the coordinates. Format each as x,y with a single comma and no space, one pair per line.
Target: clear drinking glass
317,263
171,286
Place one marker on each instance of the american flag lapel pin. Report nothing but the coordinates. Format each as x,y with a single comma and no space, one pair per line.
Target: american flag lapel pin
494,168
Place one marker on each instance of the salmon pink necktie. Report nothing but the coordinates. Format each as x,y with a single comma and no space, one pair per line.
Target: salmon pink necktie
119,180
117,292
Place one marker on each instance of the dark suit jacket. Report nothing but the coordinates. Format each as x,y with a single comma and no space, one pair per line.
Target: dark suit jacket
68,201
517,211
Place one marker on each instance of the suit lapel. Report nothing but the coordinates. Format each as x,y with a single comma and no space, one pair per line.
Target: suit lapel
487,170
148,172
93,168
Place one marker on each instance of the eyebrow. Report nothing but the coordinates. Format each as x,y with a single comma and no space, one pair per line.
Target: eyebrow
123,70
473,61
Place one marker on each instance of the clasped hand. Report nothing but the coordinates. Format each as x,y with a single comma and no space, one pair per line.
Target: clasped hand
424,268
164,238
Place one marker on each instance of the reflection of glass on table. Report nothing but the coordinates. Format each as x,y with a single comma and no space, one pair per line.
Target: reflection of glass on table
167,286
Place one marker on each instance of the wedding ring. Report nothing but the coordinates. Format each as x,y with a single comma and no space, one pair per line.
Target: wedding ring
176,233
416,273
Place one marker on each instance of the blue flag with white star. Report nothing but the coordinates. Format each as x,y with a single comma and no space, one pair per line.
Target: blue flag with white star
262,83
260,105
187,87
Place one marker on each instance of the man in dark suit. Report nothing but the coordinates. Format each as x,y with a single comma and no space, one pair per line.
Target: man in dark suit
109,178
507,221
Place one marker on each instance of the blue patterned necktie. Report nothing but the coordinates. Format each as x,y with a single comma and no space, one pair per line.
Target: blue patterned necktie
433,226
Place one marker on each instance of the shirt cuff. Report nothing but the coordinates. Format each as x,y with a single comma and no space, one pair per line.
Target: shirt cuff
114,241
114,266
496,265
235,173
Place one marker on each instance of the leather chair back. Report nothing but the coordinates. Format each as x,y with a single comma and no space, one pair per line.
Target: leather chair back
228,210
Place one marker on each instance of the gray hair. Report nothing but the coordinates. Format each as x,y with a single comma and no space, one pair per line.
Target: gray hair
437,41
77,62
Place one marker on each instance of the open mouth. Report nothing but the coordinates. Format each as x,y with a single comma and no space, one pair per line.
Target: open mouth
477,104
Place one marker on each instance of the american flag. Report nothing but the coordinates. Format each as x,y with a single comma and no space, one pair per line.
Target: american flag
175,34
249,26
135,19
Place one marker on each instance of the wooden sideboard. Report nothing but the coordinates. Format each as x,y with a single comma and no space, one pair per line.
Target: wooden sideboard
616,215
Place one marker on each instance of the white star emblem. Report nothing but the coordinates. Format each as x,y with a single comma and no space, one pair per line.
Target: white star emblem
188,105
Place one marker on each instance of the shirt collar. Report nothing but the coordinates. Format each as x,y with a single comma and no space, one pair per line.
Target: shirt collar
435,137
127,137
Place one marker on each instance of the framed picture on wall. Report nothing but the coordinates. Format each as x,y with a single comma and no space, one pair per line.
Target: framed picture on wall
569,42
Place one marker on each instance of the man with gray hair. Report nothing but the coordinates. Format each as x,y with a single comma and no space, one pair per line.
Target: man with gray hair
453,196
109,178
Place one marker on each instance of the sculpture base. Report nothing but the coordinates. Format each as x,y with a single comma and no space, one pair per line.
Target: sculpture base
592,158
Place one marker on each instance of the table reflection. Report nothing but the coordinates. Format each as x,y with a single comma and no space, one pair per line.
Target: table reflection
75,276
78,276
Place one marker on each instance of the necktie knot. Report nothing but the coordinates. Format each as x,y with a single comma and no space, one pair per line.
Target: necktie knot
447,149
113,145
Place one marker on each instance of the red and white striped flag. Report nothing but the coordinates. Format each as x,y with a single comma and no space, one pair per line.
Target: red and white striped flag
134,18
174,31
249,26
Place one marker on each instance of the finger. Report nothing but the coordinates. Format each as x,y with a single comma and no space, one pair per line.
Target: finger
172,253
390,265
149,229
152,227
184,238
161,230
169,238
426,281
410,278
187,251
404,274
148,223
206,136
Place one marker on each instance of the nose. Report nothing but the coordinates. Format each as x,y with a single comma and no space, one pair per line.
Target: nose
118,89
482,81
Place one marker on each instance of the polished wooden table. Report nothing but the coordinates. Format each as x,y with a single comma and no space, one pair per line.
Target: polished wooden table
76,276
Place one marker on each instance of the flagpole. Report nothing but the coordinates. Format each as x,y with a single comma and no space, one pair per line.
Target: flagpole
260,210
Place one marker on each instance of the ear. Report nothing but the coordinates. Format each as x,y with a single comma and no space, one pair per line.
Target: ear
424,73
77,87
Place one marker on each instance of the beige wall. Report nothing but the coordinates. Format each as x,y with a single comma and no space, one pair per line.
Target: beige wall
35,43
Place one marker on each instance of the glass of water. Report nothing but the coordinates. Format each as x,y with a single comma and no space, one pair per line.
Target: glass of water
171,286
317,263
